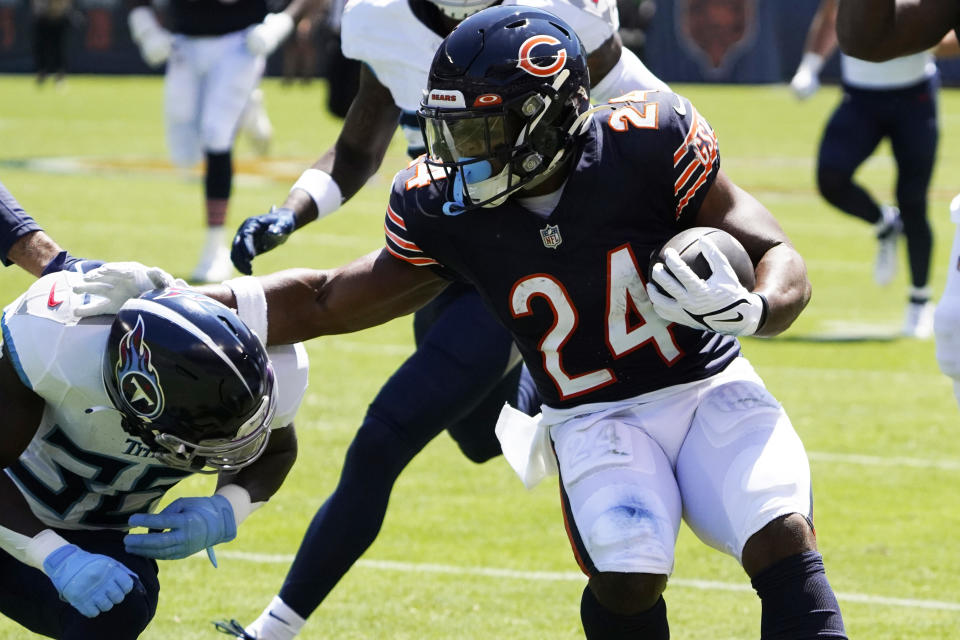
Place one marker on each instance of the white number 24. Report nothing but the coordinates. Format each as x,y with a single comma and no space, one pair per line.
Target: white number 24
626,298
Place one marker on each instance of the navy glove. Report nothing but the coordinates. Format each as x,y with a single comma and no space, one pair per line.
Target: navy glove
259,234
90,582
63,261
191,524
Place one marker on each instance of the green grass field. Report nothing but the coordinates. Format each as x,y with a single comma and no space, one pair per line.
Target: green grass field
466,551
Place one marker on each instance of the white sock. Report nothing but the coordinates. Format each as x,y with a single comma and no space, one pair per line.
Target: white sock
920,293
215,239
277,622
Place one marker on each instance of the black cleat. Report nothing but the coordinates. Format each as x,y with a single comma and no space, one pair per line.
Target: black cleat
232,628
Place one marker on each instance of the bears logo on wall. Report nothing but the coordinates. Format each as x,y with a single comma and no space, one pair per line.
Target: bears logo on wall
715,31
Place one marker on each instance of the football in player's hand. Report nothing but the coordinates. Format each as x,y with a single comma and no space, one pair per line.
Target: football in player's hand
687,244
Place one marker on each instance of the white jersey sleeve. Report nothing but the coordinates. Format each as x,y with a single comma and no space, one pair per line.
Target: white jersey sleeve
398,48
34,326
594,22
291,367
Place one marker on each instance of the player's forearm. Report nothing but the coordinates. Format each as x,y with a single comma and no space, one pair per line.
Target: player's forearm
263,478
822,36
300,304
883,29
347,167
33,252
304,304
782,280
22,534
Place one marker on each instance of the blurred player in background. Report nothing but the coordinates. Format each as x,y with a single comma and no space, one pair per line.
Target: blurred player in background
465,366
24,243
895,100
102,418
883,29
51,24
300,50
215,53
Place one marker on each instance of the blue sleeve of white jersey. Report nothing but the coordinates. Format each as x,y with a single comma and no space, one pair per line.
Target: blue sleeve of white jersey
14,223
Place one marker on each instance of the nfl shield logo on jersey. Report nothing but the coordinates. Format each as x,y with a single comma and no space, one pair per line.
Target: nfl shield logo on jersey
551,236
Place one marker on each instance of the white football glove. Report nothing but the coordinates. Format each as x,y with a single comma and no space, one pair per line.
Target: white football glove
264,38
114,283
719,303
154,41
806,80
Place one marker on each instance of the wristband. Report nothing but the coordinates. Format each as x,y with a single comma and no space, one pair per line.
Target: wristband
251,304
239,499
322,189
41,546
763,312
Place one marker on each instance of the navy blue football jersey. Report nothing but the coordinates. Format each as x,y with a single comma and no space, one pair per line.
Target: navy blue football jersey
214,17
570,288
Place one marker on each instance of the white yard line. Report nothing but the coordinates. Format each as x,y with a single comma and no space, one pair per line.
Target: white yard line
945,464
573,576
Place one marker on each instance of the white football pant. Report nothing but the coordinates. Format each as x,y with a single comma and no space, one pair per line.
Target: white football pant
721,452
208,83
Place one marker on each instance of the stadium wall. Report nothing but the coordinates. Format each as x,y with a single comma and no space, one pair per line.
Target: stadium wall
739,41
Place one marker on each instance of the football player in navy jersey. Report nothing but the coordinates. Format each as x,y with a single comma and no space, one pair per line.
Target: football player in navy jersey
24,243
884,29
650,413
465,366
102,417
875,97
215,53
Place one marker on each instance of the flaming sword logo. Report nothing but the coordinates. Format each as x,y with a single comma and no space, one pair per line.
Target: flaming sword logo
136,378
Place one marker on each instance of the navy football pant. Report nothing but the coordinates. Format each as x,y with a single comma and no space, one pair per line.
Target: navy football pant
454,380
908,118
28,597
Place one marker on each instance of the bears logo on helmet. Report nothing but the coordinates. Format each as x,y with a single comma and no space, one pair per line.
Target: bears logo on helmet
523,73
528,63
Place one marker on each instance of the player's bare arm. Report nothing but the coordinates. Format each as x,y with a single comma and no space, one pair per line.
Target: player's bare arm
359,150
781,272
883,29
307,303
263,478
33,252
604,58
23,410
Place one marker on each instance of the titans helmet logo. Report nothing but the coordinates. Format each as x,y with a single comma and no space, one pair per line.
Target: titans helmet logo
136,378
530,63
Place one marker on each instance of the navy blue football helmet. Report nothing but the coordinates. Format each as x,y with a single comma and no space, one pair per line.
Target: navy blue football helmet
191,381
503,103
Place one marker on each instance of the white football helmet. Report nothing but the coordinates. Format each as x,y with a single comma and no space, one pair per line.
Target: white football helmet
460,9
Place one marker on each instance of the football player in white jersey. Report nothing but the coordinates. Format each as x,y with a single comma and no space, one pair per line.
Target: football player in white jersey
896,99
465,366
215,53
102,417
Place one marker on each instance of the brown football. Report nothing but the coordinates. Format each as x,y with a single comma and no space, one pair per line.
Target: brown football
687,244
